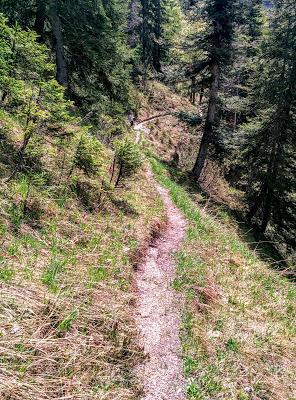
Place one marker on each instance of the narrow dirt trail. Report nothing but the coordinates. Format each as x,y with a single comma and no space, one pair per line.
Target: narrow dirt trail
158,313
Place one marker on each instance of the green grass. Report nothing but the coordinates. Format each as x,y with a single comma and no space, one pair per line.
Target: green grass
66,293
239,318
6,274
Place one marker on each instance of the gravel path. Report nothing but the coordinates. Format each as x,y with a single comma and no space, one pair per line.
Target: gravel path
158,312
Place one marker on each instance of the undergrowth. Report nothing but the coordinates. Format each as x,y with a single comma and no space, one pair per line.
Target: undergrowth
239,320
66,302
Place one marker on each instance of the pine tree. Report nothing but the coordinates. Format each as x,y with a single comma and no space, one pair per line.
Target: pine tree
152,13
156,35
237,83
217,44
88,42
270,142
28,88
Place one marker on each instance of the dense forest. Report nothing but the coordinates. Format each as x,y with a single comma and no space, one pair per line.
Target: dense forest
237,56
78,79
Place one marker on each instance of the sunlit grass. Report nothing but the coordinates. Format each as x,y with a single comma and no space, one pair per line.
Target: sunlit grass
239,319
66,295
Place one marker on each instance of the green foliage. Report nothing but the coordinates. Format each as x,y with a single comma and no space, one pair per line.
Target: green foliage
232,345
22,60
89,155
189,118
269,146
67,323
29,91
50,274
194,392
129,158
6,274
98,54
97,58
98,274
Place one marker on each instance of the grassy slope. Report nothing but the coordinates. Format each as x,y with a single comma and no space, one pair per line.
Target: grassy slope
66,301
239,319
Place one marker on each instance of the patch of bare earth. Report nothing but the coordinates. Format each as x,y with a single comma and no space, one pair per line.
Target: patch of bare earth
158,312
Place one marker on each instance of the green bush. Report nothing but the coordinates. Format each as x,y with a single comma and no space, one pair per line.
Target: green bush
189,118
89,155
29,90
129,158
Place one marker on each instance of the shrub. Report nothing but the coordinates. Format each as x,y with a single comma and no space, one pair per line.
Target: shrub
128,157
88,192
189,118
89,155
29,90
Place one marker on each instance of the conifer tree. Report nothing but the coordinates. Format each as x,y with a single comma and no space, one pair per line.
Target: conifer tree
152,14
271,141
217,45
88,42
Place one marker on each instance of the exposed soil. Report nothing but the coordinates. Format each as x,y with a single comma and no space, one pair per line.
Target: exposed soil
158,312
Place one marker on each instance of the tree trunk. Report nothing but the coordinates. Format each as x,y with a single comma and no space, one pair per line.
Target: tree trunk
62,73
40,19
259,200
193,89
207,138
202,91
157,37
119,176
267,210
145,33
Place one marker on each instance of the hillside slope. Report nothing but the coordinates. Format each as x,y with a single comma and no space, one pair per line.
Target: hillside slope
66,266
239,319
238,329
68,294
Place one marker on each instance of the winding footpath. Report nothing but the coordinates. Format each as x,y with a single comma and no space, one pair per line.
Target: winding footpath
158,310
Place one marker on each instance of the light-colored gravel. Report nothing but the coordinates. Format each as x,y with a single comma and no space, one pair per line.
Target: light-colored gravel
158,312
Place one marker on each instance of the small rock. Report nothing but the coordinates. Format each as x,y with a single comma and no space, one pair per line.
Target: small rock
15,329
214,334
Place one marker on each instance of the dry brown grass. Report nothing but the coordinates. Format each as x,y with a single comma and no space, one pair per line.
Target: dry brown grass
169,136
239,336
66,325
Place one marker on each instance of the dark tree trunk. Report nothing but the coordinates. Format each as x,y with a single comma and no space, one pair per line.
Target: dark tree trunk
201,95
119,176
207,138
157,37
4,96
267,210
145,32
62,73
193,90
40,19
266,196
258,202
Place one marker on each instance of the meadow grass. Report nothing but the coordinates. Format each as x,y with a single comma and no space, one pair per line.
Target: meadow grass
239,317
66,303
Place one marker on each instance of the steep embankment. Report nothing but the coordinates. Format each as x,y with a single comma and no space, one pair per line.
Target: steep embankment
67,301
66,269
238,325
168,137
238,319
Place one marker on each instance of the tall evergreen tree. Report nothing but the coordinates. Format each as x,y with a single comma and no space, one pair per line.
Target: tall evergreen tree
152,14
271,141
216,43
88,42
